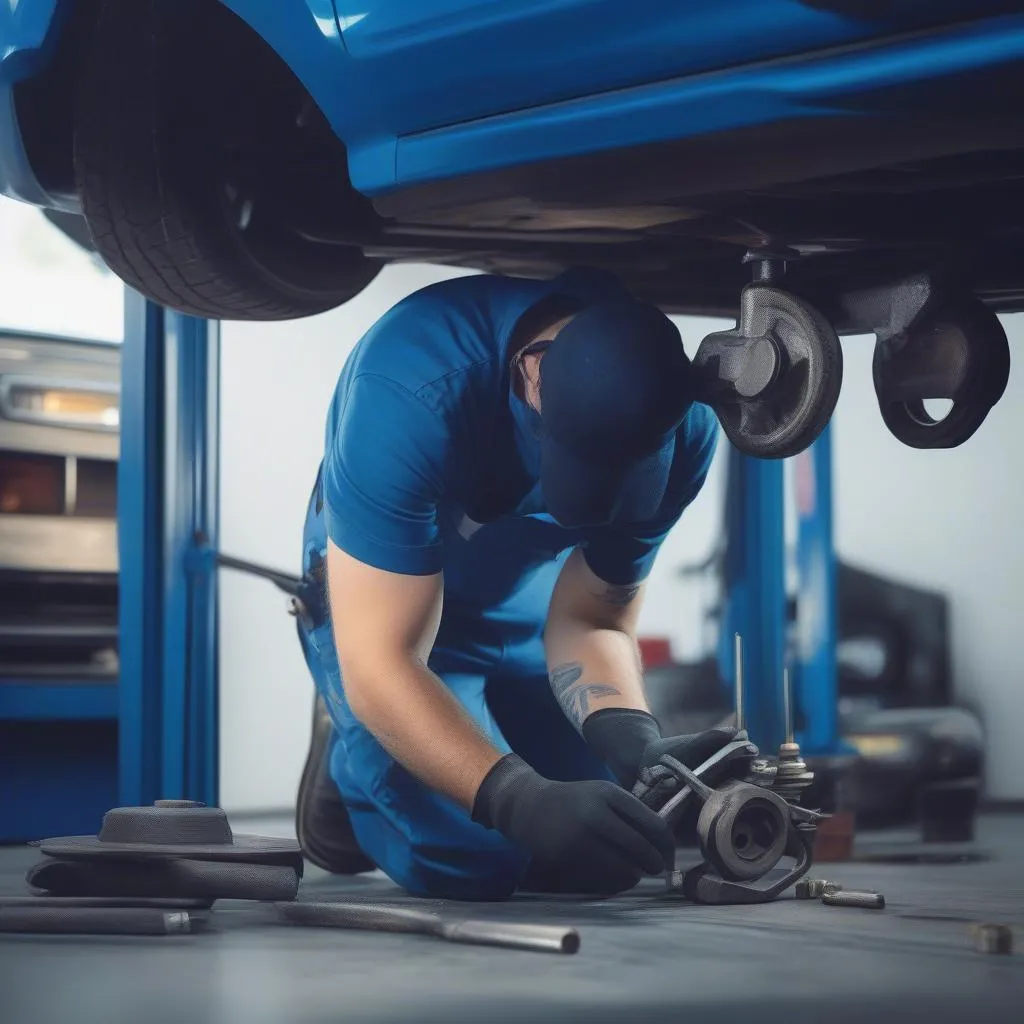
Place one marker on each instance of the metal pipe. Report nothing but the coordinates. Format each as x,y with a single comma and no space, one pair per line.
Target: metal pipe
739,682
787,698
93,921
382,918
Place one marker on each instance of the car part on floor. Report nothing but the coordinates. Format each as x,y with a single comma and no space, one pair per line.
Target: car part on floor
958,352
745,824
177,829
95,921
774,379
853,898
810,888
110,902
384,918
177,849
153,878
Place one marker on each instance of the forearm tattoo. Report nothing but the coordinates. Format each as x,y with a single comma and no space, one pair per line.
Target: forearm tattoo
620,596
574,696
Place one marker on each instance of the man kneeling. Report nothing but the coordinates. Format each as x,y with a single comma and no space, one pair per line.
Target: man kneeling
503,459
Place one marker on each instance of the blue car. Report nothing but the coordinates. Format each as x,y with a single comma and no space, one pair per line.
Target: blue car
263,159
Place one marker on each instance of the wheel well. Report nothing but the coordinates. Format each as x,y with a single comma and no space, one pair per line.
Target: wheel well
45,102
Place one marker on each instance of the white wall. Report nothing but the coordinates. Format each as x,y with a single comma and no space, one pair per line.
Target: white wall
949,520
277,382
942,519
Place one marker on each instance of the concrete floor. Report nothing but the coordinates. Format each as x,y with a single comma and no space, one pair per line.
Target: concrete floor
643,957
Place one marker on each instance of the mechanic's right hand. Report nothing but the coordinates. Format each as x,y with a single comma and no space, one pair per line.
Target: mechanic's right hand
603,835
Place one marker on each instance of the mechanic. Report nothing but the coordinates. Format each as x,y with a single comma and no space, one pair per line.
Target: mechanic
503,459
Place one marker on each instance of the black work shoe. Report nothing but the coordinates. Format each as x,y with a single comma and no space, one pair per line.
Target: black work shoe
321,818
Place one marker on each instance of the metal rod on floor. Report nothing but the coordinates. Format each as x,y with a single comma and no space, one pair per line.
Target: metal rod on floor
93,921
382,918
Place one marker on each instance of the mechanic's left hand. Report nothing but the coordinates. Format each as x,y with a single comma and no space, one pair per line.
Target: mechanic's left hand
628,741
693,750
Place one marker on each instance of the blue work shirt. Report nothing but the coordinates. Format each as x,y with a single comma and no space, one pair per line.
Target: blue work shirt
431,464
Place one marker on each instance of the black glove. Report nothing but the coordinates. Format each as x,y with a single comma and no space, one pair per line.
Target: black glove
595,832
628,740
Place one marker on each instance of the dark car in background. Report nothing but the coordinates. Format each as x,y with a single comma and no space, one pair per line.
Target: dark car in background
59,443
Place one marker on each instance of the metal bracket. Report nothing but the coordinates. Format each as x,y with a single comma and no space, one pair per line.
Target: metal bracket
702,886
770,263
680,786
670,772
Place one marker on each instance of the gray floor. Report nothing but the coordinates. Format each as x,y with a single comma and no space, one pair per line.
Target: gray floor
643,956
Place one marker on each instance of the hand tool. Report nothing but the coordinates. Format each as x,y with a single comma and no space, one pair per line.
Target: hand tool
305,593
383,918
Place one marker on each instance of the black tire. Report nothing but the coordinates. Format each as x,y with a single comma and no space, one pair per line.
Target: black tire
182,108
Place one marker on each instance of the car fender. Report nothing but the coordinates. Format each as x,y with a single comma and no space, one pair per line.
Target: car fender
26,30
307,37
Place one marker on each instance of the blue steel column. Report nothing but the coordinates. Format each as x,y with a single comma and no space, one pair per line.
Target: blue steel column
756,597
190,519
167,497
815,677
139,496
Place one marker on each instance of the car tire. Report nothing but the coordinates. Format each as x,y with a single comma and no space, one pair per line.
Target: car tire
188,130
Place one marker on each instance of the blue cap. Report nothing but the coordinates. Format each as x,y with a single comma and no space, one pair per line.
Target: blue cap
615,384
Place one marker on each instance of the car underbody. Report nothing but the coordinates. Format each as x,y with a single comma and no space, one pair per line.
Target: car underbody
953,207
908,179
895,208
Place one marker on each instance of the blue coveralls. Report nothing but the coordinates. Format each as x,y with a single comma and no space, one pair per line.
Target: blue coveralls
430,465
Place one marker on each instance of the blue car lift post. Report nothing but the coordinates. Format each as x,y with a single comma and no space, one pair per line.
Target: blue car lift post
72,748
756,599
167,514
817,631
